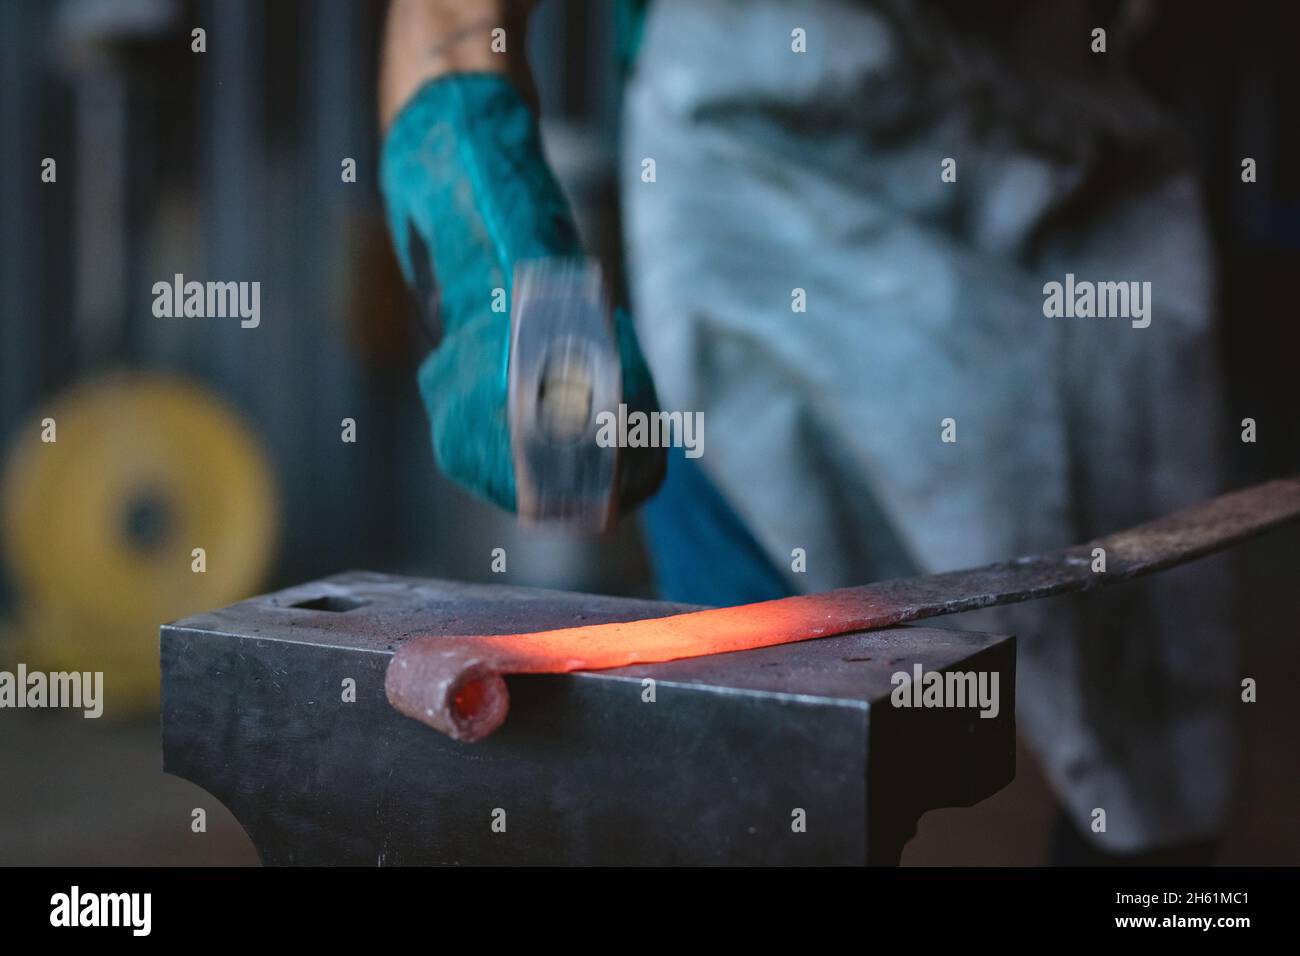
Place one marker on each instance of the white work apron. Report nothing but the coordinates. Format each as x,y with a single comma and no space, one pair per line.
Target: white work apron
781,176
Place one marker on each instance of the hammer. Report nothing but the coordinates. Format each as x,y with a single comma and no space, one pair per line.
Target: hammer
563,374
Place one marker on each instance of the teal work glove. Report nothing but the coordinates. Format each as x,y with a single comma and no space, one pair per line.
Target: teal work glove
468,195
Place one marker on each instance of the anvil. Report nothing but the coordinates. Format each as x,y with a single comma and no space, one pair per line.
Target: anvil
788,754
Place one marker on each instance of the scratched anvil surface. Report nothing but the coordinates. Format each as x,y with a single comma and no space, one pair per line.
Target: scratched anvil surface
586,769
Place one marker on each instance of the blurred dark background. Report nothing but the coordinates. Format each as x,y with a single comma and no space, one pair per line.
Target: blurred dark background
226,165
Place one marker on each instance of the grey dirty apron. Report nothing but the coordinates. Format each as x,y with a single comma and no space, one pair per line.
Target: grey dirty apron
778,171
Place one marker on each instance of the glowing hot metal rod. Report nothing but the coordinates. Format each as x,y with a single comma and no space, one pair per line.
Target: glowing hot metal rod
455,684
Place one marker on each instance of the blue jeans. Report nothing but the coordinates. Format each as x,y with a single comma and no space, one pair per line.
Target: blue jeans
700,550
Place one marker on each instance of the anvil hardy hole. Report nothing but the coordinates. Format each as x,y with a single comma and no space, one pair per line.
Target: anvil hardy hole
330,602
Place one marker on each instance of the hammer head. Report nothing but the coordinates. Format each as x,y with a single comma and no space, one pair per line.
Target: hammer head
564,371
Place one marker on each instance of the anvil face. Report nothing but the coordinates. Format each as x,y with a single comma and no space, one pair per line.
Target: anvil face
787,754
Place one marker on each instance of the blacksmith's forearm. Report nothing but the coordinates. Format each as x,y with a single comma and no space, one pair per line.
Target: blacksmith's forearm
425,39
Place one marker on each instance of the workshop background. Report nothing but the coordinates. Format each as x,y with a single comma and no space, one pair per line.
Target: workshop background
225,165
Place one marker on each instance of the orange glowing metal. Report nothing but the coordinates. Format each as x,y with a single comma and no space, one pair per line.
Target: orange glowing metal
455,684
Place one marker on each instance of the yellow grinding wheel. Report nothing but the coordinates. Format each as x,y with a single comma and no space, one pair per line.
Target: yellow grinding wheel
100,525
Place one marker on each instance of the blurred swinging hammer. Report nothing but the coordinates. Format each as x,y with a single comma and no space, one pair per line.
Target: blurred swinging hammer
564,371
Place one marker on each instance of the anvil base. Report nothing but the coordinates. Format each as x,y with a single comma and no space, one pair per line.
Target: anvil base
784,755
